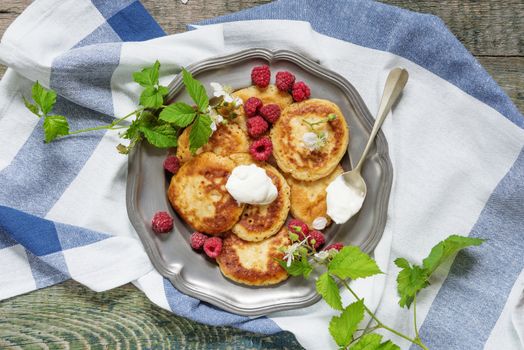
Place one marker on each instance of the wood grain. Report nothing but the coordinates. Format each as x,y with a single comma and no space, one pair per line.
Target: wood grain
70,316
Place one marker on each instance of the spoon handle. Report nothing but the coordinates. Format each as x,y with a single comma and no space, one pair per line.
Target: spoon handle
395,82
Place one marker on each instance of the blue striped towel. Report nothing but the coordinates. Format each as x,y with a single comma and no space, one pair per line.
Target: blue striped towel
455,141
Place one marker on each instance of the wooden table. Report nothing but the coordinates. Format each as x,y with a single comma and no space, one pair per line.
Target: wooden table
71,316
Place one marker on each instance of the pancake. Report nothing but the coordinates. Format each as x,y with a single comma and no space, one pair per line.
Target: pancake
308,198
268,95
289,150
198,194
253,263
261,221
227,139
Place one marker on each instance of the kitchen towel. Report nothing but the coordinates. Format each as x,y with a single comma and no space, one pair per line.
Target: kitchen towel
455,141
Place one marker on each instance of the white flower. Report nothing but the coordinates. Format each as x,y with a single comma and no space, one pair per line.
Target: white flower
215,117
237,102
222,90
319,223
313,141
322,255
290,252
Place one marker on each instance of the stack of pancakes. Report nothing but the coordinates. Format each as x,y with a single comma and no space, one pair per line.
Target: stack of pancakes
253,234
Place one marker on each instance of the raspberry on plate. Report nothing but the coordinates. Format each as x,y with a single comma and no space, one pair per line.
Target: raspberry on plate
256,126
300,91
338,246
270,112
298,227
261,149
162,222
171,164
197,240
252,106
284,81
260,76
317,237
213,247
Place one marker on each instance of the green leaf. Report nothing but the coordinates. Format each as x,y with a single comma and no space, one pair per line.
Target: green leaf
342,327
200,132
152,97
33,108
54,126
327,287
410,280
352,263
369,341
45,99
161,136
148,77
196,90
181,114
446,248
298,267
389,345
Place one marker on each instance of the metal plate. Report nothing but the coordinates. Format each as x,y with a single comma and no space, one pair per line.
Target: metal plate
197,276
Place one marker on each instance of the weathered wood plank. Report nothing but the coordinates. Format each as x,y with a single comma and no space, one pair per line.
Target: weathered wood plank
71,316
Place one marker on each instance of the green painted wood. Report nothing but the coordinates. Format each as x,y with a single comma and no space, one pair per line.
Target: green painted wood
71,316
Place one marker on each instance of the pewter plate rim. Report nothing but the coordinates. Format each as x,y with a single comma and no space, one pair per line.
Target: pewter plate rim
382,158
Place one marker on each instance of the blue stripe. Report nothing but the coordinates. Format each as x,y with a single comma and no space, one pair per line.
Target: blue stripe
110,7
480,279
199,311
35,234
423,39
74,236
48,270
134,23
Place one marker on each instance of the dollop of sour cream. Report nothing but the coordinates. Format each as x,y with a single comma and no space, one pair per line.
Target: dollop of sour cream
250,184
342,201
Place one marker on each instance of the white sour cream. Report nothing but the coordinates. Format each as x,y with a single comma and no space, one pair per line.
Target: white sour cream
342,201
250,184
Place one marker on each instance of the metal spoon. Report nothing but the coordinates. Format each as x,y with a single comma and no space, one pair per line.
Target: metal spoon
395,82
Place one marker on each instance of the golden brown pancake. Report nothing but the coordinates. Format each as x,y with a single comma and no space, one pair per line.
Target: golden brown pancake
268,95
308,198
289,150
253,263
227,139
261,221
198,194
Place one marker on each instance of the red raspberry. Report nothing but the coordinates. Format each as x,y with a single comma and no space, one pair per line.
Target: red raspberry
318,237
260,76
298,227
252,106
284,81
270,112
162,222
197,240
213,247
256,126
261,149
300,91
171,164
337,246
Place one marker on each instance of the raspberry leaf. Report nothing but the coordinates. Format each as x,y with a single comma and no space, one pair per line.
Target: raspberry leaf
181,114
196,90
446,248
153,97
33,108
161,136
410,280
45,99
298,267
54,126
369,341
200,132
327,287
148,77
353,263
342,327
388,345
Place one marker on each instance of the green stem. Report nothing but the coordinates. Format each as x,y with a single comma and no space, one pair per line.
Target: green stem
382,325
109,126
415,316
